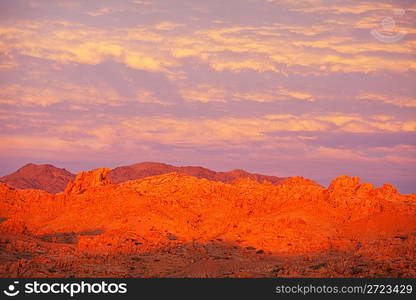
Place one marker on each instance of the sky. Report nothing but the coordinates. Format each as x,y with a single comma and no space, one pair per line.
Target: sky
313,88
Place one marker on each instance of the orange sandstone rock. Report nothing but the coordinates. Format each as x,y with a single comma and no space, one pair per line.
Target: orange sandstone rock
88,180
179,225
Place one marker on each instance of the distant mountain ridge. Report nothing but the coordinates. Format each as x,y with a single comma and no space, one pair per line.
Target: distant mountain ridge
42,177
146,169
54,180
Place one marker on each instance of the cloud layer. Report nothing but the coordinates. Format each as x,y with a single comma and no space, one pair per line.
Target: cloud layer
316,88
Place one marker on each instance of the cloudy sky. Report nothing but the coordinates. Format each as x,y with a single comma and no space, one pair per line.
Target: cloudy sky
316,88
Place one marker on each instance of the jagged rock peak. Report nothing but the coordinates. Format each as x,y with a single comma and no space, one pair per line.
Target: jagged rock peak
86,180
344,182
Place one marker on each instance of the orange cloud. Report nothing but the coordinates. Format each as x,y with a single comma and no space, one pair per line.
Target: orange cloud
399,101
168,26
204,93
354,8
209,93
226,132
68,92
159,49
203,131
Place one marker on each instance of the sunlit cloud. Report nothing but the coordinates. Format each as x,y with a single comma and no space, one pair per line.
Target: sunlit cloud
67,92
210,93
394,100
352,8
255,48
102,11
168,26
298,84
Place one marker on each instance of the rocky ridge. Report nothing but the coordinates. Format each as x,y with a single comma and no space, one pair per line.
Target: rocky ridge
54,180
176,225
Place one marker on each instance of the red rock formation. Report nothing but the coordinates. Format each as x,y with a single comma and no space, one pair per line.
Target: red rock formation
178,225
42,177
88,180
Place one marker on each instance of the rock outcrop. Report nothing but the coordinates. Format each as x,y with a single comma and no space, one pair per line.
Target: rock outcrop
88,180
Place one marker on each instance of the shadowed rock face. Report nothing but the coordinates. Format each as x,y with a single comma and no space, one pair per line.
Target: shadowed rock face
42,177
54,180
176,225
